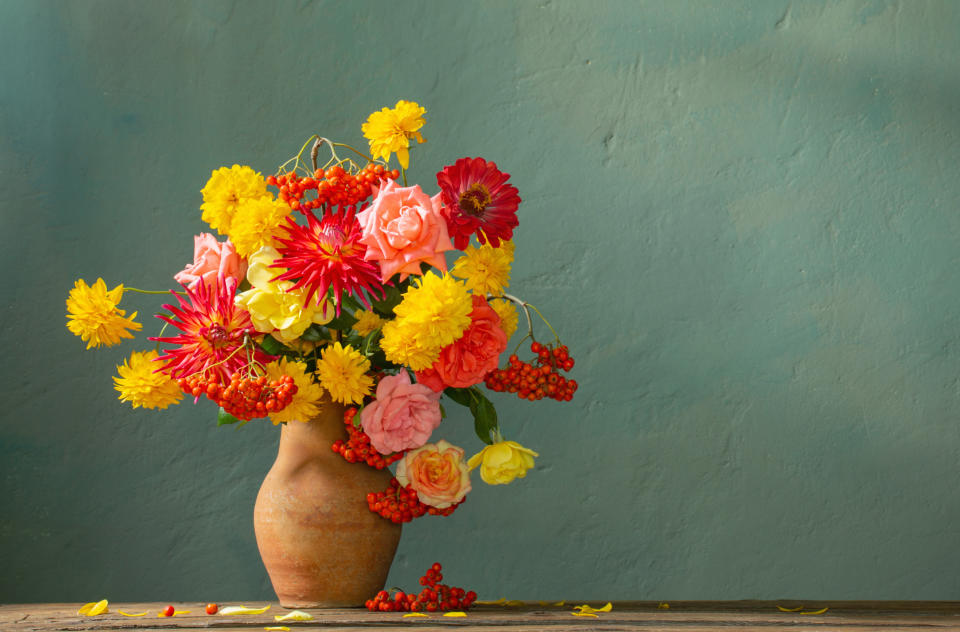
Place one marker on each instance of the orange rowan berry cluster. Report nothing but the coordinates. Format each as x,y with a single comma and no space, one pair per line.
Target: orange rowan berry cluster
434,596
533,382
401,504
244,397
357,448
334,186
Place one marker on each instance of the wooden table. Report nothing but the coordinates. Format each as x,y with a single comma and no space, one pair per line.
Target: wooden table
680,616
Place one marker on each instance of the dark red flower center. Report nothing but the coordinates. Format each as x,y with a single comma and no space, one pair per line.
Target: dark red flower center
474,200
217,335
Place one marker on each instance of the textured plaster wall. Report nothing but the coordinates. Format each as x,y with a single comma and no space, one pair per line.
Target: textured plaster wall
742,217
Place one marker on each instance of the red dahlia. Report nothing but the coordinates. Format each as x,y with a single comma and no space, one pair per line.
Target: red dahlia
328,254
213,330
478,200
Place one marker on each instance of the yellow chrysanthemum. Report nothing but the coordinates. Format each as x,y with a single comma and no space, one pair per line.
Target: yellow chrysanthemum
92,314
256,223
343,372
367,322
430,317
140,384
486,270
389,131
306,402
275,310
226,189
508,314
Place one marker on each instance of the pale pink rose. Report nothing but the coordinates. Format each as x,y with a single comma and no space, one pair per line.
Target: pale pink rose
437,472
403,416
212,259
402,228
468,359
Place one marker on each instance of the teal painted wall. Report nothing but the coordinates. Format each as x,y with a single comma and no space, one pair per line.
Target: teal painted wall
742,217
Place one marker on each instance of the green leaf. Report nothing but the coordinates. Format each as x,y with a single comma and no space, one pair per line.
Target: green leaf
224,418
314,333
370,343
484,416
392,298
273,346
443,412
459,395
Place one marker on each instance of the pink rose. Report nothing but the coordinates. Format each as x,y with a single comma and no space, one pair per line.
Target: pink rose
403,415
402,228
212,259
437,472
468,359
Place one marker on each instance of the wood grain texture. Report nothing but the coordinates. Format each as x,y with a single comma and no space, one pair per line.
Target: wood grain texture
682,616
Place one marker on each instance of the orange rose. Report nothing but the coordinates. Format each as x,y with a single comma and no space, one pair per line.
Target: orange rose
437,473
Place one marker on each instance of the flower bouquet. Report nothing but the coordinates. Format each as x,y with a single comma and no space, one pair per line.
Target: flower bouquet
332,288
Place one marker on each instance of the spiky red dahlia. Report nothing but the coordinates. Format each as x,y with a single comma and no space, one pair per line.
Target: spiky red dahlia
213,330
328,254
478,200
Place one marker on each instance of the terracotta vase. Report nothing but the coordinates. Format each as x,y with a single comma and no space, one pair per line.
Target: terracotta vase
320,543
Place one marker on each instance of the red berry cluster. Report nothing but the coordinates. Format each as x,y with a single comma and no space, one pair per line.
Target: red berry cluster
533,382
245,397
434,596
357,447
335,186
401,504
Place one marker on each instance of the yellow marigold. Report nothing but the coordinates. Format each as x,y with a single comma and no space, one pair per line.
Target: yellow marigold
431,316
226,190
486,270
343,372
140,384
507,311
275,310
92,314
256,223
389,131
367,322
306,402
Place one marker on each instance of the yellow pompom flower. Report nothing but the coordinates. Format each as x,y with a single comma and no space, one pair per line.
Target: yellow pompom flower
431,316
343,372
256,224
306,402
507,311
226,190
389,131
367,322
502,462
485,270
92,314
272,308
140,384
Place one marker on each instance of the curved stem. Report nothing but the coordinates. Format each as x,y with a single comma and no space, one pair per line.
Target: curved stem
356,151
134,289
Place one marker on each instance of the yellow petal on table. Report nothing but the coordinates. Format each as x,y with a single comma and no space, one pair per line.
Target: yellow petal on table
820,611
499,602
278,628
94,608
547,603
162,614
296,615
585,614
127,614
243,610
454,614
663,605
588,609
415,614
515,602
782,609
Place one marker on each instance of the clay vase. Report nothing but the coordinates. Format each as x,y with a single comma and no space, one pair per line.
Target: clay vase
320,543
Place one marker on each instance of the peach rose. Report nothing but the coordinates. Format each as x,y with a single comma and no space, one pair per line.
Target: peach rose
211,259
437,472
467,360
402,228
403,416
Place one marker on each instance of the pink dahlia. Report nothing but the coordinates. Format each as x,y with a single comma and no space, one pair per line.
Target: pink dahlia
478,200
327,254
403,416
212,332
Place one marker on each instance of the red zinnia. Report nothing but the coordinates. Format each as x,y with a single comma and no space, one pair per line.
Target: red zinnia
213,333
477,199
328,253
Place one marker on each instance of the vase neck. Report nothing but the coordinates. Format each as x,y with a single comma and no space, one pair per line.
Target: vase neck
313,438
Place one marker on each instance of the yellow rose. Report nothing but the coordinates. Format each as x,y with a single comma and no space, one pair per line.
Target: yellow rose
502,462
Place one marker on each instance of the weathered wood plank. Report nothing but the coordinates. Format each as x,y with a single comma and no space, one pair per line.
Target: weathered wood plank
686,616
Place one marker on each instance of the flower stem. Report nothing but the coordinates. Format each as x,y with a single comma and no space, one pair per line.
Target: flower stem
133,289
356,151
403,172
